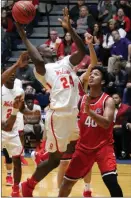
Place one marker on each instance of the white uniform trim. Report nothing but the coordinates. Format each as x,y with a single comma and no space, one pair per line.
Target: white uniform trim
110,173
71,179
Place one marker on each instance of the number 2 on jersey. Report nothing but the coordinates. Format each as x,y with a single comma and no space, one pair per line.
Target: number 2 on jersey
9,111
65,82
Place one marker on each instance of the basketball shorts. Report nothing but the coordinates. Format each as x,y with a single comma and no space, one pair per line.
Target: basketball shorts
82,162
67,156
12,143
61,128
29,128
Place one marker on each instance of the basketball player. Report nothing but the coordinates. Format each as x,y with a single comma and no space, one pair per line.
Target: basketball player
96,141
33,121
63,101
11,139
83,86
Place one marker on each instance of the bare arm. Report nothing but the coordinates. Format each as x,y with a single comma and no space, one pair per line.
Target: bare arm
84,77
76,57
8,124
33,52
106,119
21,62
6,74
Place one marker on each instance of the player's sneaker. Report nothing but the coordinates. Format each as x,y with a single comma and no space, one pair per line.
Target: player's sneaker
15,191
36,157
87,193
23,161
9,181
26,190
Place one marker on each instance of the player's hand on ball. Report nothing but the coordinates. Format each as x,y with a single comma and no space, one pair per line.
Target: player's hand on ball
87,104
88,38
18,102
21,30
23,60
65,22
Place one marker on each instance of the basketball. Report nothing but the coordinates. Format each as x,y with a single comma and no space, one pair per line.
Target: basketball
23,12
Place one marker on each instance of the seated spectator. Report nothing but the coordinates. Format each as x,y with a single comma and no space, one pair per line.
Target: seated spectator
85,21
122,135
120,49
67,42
122,20
75,11
106,12
26,75
108,39
127,91
32,121
56,44
30,90
124,4
97,38
119,79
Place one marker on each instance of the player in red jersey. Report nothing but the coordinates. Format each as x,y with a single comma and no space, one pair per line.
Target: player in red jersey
96,138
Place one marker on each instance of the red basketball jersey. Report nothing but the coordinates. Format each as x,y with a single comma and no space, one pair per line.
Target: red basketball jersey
93,136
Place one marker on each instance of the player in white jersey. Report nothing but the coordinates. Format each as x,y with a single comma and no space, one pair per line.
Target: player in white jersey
10,138
61,119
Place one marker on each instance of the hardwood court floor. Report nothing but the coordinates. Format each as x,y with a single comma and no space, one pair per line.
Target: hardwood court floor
48,187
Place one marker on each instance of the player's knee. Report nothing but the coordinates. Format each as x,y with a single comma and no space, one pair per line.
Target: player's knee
67,185
64,164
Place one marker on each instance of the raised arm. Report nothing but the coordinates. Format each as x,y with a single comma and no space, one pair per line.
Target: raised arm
85,76
21,62
33,52
77,57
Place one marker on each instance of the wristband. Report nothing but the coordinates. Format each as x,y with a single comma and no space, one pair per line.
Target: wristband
14,111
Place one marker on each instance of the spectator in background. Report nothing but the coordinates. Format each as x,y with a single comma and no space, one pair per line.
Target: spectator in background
127,91
97,37
120,49
56,44
119,79
85,21
106,12
122,135
124,4
122,20
67,42
75,11
108,40
26,75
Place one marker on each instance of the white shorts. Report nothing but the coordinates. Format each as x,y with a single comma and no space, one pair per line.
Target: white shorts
12,144
61,128
29,128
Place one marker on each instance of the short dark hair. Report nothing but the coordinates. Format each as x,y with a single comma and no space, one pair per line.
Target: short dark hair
104,73
29,96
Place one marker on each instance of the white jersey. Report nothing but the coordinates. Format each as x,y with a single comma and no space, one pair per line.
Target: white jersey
63,82
8,96
33,118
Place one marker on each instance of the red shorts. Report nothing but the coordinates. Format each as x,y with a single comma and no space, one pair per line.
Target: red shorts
69,152
82,162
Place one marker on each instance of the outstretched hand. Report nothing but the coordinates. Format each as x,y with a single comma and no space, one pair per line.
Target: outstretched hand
20,30
65,22
88,38
18,102
23,60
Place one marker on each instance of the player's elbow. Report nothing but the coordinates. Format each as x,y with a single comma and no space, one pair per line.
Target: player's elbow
7,128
